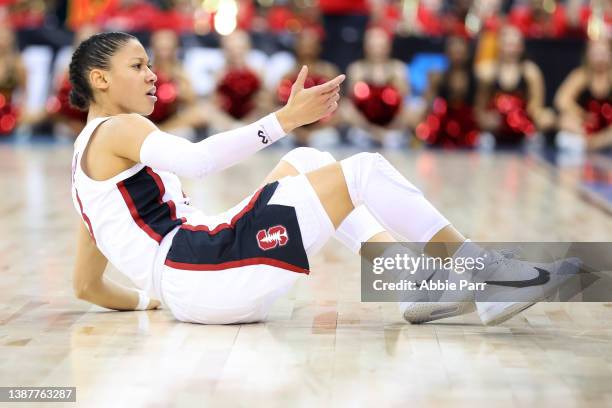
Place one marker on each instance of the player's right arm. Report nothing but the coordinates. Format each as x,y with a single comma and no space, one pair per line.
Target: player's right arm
90,284
135,138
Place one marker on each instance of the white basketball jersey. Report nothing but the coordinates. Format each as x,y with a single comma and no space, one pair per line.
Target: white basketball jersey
129,215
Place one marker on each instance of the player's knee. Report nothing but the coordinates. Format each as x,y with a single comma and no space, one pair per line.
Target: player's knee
305,159
364,167
364,160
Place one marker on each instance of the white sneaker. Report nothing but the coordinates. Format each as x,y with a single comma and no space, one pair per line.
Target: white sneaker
525,283
506,278
428,306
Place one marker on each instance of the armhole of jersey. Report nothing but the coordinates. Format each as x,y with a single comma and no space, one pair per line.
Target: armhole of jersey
84,144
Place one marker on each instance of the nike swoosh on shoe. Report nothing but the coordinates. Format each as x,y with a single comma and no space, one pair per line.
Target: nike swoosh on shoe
542,278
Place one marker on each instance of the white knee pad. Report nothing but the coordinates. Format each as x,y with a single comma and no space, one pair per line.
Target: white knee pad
397,204
359,226
306,159
359,168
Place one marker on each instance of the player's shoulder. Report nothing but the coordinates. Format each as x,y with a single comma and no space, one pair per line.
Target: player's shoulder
126,124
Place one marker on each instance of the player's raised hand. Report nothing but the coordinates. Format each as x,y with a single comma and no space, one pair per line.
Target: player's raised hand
309,105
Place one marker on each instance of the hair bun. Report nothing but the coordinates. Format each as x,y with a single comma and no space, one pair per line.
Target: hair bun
77,100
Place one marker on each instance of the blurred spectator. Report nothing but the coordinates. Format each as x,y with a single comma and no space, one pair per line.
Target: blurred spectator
129,15
178,16
543,19
584,101
345,22
451,122
12,83
82,12
388,14
455,17
595,19
240,96
26,14
307,50
377,88
510,97
176,108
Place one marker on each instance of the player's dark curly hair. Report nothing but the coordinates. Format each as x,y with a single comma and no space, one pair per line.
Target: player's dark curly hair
94,52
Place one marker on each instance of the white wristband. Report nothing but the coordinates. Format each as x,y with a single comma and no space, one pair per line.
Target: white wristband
143,300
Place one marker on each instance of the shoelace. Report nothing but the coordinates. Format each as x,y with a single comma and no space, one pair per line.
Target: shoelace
503,256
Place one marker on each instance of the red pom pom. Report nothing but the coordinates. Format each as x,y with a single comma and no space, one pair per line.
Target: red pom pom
450,125
516,123
237,89
8,115
379,104
60,103
598,115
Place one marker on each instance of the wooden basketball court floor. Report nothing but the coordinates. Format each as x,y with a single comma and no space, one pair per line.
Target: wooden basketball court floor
320,346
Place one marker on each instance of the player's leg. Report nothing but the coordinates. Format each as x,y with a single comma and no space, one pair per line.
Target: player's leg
368,178
360,226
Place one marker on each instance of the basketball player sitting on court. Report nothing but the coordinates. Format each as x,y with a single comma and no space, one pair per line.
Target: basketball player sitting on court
231,267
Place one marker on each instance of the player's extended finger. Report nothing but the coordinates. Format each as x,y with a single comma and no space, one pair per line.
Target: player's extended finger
330,85
336,89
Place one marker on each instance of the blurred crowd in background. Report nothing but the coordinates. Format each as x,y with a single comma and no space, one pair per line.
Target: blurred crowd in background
465,74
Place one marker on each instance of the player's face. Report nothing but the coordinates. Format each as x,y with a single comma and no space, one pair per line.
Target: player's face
131,81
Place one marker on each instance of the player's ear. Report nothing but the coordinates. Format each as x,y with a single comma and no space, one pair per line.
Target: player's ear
99,79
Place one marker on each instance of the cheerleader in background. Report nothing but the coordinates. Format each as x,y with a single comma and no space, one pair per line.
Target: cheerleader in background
377,88
239,97
177,108
510,96
308,50
584,101
451,121
67,120
12,83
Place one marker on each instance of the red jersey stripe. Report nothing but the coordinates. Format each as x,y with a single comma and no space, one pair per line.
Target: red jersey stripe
84,216
223,226
134,212
236,264
162,191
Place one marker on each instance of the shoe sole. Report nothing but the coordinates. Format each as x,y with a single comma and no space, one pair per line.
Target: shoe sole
423,312
505,314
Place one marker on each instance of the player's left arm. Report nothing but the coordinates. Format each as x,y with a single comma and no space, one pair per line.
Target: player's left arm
90,284
133,137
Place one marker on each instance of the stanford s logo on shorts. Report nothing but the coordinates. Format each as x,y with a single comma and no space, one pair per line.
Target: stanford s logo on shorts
272,237
257,227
